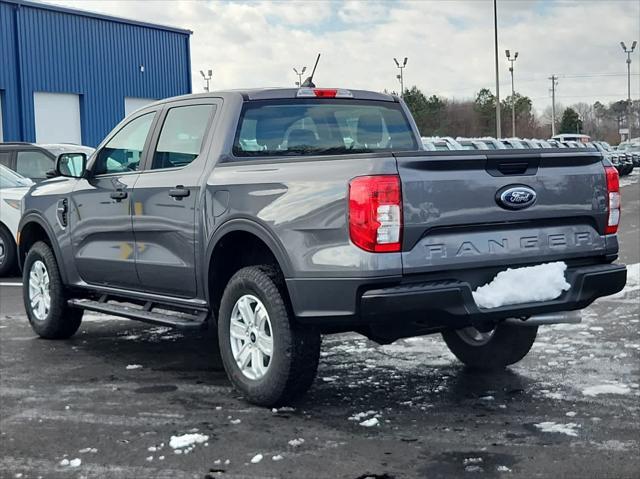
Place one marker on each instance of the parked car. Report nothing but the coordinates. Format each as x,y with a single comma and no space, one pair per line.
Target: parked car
574,144
515,143
33,160
572,137
536,143
178,219
12,188
633,149
608,152
491,143
556,144
440,143
471,144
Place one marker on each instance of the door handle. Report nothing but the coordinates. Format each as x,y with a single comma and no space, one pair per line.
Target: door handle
118,195
179,192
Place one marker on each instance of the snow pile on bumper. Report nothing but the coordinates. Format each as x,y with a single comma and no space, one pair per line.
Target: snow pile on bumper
542,282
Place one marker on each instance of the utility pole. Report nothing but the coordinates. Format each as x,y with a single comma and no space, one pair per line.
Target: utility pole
513,92
495,33
401,76
554,83
300,73
207,78
628,52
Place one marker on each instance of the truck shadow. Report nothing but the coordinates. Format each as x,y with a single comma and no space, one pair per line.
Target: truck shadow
192,357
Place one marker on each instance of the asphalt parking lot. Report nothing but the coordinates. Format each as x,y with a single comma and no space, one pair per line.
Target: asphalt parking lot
107,402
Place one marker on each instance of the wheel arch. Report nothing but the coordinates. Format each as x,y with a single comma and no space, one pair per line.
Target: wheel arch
231,236
34,228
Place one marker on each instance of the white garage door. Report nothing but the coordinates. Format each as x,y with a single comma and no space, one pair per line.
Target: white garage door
131,104
57,117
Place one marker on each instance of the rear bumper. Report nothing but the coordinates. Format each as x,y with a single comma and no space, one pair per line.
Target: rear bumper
450,303
395,306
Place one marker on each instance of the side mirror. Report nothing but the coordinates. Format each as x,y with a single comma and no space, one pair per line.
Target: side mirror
71,165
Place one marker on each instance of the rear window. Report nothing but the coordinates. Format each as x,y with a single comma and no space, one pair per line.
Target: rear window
306,127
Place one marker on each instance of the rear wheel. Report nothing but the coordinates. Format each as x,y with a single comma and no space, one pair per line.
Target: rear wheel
504,345
7,251
267,356
44,296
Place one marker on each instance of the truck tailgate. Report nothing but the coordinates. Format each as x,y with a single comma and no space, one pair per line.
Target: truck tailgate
454,217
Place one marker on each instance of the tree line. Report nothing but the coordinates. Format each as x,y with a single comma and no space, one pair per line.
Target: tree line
438,116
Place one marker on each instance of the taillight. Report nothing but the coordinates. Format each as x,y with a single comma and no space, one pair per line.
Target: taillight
375,213
613,194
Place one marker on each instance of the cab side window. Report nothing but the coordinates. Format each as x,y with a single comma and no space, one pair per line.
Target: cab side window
34,164
123,152
5,158
181,136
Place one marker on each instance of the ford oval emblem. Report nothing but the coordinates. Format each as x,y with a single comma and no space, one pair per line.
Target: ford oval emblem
516,197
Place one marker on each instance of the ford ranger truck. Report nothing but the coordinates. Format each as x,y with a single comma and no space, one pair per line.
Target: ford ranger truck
278,215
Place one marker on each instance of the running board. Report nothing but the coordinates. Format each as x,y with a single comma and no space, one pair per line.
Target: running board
145,313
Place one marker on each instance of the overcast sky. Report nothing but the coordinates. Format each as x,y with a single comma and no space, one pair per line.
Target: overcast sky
449,43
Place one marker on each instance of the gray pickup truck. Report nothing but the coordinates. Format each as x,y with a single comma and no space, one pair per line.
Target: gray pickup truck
279,215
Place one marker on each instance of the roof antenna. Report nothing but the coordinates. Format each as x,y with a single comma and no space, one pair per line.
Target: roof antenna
308,83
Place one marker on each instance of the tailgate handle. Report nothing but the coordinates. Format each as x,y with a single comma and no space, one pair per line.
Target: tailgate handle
512,167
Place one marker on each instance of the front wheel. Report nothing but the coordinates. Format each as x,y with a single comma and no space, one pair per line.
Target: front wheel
267,356
44,298
504,345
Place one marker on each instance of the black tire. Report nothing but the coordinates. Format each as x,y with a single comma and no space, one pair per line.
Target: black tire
507,345
296,349
8,253
61,321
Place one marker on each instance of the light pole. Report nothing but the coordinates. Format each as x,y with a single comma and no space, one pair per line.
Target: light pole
513,92
628,52
495,35
300,73
554,84
207,78
401,76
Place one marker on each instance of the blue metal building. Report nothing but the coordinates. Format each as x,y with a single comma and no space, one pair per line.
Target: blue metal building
70,76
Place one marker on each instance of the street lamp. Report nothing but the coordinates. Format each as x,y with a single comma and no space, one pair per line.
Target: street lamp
628,51
300,73
207,78
401,76
513,92
495,44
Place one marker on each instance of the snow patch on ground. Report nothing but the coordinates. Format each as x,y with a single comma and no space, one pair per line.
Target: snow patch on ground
606,389
542,282
186,440
71,463
549,426
370,422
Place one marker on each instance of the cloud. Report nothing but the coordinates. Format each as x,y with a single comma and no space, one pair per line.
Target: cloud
449,43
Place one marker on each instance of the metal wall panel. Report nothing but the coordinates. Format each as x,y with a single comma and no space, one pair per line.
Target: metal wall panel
99,58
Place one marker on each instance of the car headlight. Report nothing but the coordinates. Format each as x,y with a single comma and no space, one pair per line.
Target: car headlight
13,203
